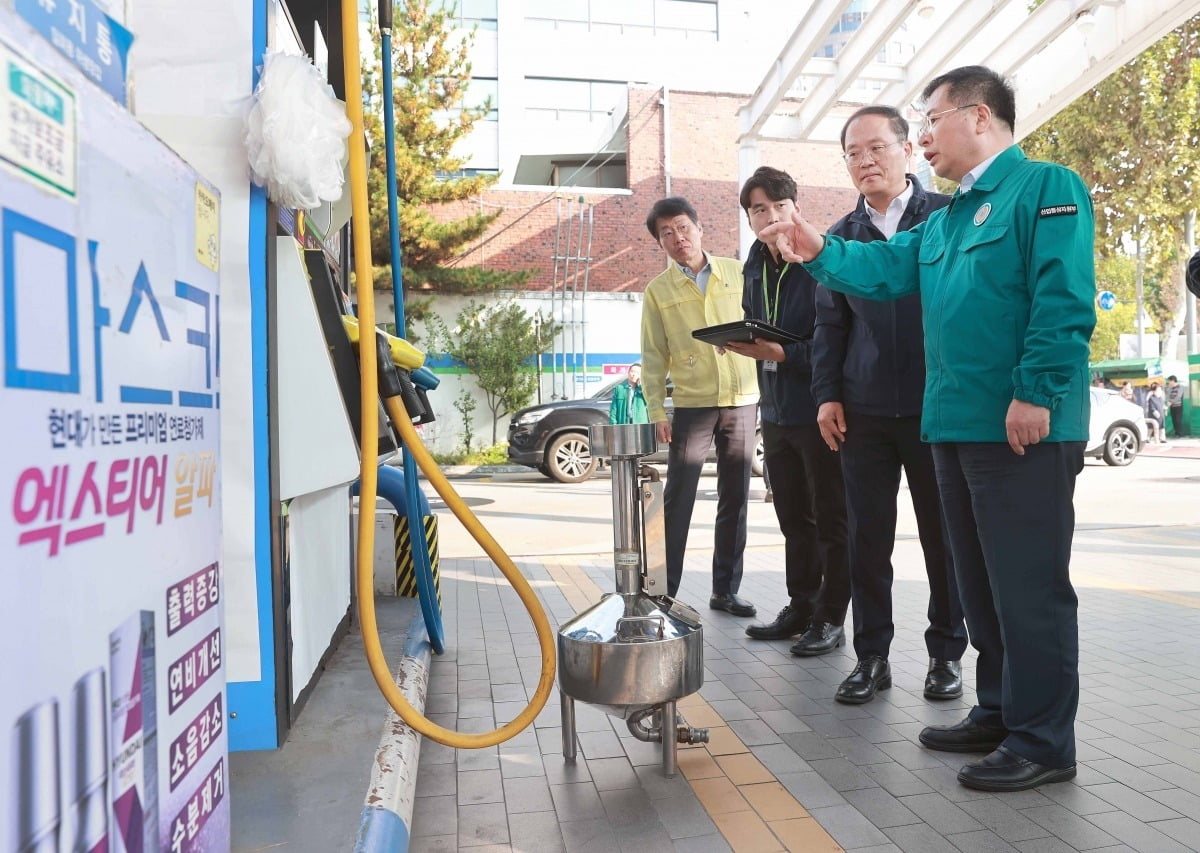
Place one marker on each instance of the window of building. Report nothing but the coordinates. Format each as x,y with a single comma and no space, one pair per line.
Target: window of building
688,19
572,100
465,173
598,172
470,14
483,90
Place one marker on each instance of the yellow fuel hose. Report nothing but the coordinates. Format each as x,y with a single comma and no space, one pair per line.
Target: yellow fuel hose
370,440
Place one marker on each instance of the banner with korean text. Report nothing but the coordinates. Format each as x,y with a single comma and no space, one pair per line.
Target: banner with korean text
112,699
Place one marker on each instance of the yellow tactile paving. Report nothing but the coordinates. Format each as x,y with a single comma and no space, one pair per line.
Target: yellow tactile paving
803,835
746,831
719,795
744,769
721,739
773,801
698,764
752,810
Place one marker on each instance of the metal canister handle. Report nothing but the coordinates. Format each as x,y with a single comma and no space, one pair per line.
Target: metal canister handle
640,638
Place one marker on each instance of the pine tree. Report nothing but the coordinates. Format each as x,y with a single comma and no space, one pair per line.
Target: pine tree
430,73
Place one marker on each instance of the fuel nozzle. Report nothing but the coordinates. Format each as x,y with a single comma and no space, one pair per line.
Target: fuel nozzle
398,351
401,371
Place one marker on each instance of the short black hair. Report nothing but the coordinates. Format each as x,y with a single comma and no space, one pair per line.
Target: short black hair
898,123
776,183
979,85
1172,378
669,208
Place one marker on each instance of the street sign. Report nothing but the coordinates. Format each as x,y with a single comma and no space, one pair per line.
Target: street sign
1106,300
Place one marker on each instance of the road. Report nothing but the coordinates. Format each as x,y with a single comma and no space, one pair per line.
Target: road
1118,511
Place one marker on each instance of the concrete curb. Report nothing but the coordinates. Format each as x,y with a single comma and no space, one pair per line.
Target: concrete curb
484,470
386,823
473,470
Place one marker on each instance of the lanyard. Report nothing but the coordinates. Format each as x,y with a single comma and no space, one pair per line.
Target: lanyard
772,316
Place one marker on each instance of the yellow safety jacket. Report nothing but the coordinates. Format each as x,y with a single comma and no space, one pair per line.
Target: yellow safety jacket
673,308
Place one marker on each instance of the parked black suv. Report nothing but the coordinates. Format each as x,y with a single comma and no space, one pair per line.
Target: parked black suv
553,437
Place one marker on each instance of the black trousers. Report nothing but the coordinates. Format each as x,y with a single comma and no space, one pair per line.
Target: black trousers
875,451
1010,521
806,479
693,432
1177,420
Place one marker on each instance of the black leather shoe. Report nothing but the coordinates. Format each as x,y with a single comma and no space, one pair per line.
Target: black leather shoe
1004,770
821,637
871,674
944,680
790,622
730,603
967,736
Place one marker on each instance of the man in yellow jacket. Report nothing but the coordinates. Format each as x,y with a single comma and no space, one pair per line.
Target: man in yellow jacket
715,395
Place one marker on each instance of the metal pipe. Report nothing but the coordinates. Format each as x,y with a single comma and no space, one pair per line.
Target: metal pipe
568,327
670,744
645,735
666,105
627,540
1141,331
568,725
575,311
587,268
553,290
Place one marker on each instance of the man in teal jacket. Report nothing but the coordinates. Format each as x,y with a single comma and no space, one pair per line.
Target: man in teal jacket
1007,285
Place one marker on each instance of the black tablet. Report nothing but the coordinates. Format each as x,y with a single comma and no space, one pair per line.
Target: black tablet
744,330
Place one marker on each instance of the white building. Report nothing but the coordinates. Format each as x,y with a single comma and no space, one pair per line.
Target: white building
556,71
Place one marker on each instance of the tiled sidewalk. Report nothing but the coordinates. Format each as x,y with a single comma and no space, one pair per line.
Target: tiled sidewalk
789,768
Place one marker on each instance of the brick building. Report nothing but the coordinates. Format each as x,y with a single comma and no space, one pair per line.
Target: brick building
703,153
601,332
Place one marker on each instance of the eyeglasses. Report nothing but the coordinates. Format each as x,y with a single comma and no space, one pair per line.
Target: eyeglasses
928,121
875,152
684,230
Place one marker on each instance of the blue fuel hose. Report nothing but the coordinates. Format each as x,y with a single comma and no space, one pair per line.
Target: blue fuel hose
422,564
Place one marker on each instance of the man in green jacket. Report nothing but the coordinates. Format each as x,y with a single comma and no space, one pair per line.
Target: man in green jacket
628,400
1007,285
715,395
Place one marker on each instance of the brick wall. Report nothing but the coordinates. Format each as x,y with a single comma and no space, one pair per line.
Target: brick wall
704,168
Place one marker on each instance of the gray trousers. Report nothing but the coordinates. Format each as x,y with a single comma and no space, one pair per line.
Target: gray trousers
693,432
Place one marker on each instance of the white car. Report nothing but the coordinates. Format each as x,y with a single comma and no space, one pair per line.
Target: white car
1117,430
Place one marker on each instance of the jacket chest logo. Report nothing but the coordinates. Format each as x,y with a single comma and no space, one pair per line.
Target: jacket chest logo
981,215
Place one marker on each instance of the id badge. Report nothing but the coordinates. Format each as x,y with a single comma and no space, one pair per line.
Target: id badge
770,366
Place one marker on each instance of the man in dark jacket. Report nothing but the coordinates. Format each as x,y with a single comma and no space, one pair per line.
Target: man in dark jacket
807,486
868,381
1006,274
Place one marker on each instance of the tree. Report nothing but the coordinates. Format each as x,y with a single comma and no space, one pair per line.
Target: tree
430,74
1117,275
1135,140
496,343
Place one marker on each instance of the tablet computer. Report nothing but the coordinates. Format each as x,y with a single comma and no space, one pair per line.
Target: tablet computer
744,330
